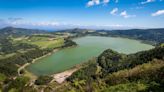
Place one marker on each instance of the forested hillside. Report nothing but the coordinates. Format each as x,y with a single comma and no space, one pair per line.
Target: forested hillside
114,72
154,35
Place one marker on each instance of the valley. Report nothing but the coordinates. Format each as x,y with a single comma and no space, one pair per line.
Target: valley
79,60
81,45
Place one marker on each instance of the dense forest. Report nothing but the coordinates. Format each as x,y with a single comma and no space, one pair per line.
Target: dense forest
150,35
8,65
69,43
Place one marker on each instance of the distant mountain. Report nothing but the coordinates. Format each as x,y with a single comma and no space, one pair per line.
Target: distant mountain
154,35
11,31
75,30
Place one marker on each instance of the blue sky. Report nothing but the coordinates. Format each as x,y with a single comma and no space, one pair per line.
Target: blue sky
95,14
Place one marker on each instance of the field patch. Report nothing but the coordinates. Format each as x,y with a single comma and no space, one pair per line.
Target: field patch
43,41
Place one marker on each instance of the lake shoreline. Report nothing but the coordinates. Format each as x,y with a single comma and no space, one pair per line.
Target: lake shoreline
126,37
87,40
23,67
132,38
63,74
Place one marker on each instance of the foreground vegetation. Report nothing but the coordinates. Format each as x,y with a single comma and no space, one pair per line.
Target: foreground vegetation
120,73
114,72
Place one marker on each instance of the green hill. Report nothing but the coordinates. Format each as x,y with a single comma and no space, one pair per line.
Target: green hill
15,32
114,72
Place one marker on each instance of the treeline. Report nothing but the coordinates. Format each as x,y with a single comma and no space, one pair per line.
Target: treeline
86,73
42,35
155,36
19,84
8,65
111,61
23,84
69,43
152,36
43,80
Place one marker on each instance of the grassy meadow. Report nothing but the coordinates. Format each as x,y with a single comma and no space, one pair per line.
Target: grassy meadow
42,41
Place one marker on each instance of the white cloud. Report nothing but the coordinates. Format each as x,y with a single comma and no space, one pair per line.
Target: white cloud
108,26
1,20
147,1
97,2
115,25
159,12
93,2
23,22
106,1
15,19
126,15
90,3
45,23
137,7
114,11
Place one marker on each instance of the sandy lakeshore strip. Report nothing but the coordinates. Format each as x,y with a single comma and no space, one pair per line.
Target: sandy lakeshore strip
60,77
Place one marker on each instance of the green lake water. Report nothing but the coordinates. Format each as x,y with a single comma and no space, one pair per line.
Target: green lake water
88,47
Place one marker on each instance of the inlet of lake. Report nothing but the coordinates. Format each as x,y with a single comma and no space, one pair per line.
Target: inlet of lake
88,47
